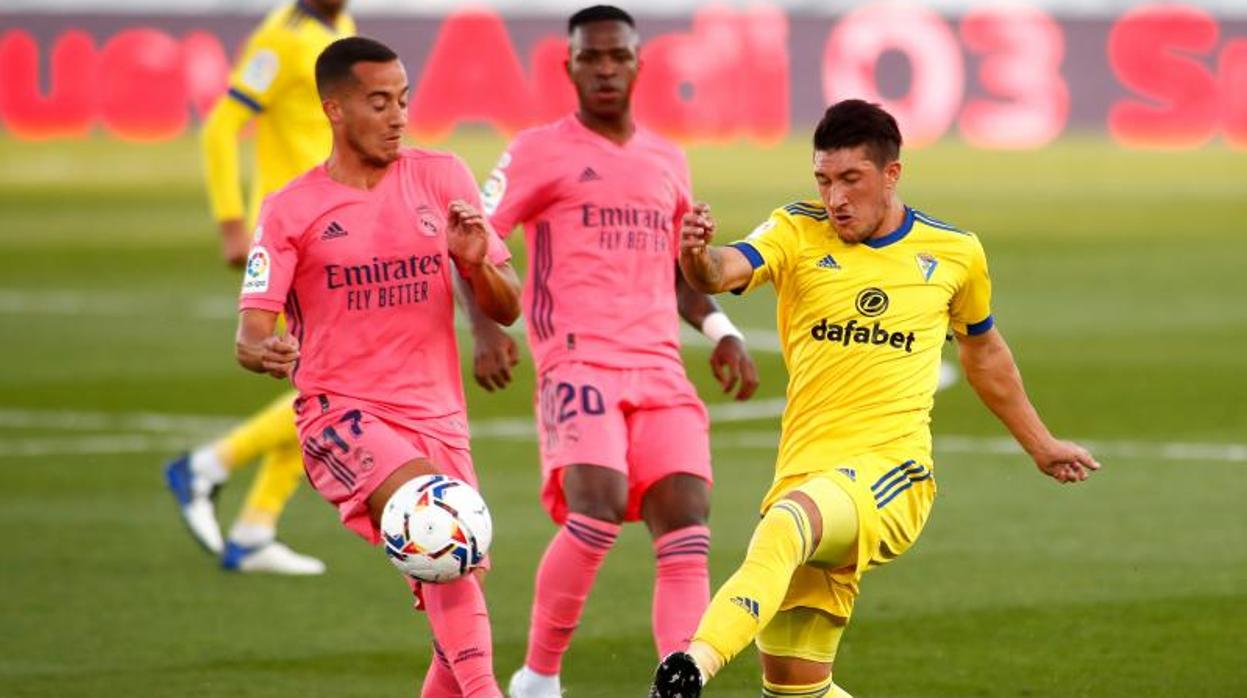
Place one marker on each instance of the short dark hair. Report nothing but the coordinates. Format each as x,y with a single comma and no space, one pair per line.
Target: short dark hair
334,64
599,13
855,122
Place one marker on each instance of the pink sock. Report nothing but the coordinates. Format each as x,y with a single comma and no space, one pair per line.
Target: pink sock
564,579
681,587
440,681
460,625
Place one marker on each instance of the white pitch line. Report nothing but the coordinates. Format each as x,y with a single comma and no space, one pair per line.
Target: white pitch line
150,432
114,421
90,445
522,430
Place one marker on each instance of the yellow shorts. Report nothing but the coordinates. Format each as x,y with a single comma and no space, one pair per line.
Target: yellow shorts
892,498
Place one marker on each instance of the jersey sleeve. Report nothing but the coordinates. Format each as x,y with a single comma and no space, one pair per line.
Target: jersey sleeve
270,264
970,310
511,193
459,184
259,74
768,249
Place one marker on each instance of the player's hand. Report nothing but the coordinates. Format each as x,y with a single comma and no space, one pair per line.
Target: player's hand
494,354
696,230
730,362
235,243
468,235
1065,461
280,355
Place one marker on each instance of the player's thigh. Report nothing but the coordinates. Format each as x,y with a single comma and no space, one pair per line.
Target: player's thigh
669,449
582,439
799,645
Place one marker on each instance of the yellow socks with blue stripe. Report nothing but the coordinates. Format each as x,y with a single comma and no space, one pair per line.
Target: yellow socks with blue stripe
749,599
274,484
822,689
271,433
270,428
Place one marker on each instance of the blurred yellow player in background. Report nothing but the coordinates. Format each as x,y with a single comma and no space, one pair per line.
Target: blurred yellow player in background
273,85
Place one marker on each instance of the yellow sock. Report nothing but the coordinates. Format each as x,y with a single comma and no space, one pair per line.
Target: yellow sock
751,596
270,428
821,689
274,484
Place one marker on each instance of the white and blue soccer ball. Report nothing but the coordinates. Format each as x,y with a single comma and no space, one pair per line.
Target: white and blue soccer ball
436,528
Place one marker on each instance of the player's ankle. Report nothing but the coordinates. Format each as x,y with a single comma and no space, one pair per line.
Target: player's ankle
707,659
251,534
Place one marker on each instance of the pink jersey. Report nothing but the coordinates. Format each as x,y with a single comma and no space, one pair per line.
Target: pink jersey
364,280
601,224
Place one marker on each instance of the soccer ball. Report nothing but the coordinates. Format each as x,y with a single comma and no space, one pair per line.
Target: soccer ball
436,528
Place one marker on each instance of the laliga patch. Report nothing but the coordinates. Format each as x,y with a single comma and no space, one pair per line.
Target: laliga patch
260,71
761,229
255,278
493,190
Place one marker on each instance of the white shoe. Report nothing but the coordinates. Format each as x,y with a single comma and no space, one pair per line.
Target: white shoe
196,499
526,683
273,557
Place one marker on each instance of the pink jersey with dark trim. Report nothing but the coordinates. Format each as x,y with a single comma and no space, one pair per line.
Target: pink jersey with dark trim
601,224
364,280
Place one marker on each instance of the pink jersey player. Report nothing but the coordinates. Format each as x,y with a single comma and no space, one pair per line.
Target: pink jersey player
361,254
364,278
622,433
600,222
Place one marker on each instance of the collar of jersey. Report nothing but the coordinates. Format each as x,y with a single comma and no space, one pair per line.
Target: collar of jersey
895,235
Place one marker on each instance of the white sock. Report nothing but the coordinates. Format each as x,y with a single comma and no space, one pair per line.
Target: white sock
206,464
544,683
252,535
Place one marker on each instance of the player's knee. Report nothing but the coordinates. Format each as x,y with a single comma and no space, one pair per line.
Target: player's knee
596,492
675,502
794,671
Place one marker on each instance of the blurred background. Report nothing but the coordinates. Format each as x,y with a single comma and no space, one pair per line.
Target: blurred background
1099,149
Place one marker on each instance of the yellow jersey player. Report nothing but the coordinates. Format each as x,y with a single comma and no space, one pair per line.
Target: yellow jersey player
867,291
273,85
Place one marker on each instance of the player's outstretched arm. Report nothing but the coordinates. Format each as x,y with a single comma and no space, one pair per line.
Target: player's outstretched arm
258,349
219,147
496,287
730,361
991,371
707,268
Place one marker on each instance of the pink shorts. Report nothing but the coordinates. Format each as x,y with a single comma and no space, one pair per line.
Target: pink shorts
645,423
348,453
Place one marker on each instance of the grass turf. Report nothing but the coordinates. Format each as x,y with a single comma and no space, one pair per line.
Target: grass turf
1118,280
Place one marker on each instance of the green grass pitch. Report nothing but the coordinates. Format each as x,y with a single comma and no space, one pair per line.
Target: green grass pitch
1119,281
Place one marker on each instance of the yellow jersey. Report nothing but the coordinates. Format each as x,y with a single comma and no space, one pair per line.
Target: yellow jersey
861,327
274,82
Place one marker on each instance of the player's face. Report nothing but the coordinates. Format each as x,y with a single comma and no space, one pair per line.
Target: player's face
603,64
373,111
856,191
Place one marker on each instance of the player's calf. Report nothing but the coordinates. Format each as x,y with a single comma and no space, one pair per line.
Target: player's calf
676,509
